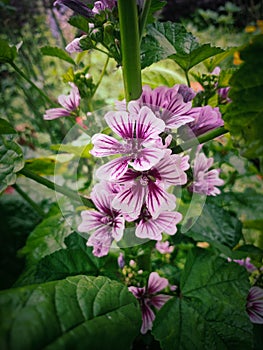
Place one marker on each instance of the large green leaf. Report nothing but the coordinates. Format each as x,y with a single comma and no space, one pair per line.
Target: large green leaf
216,225
76,313
7,53
210,312
56,52
46,238
244,116
167,39
11,161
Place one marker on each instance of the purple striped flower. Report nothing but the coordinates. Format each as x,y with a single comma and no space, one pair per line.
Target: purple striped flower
138,148
169,104
69,103
164,247
148,298
205,180
148,227
204,119
107,223
103,5
254,305
149,187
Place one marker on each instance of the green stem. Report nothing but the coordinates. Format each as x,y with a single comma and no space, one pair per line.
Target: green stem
187,78
101,76
22,74
130,48
144,260
40,212
143,17
210,135
57,188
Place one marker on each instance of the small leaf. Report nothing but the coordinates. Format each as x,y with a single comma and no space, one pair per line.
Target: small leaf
11,161
162,73
210,312
7,53
46,238
80,23
216,225
6,128
56,52
79,312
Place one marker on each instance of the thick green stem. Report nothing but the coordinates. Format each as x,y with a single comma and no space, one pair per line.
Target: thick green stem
57,188
210,135
143,17
23,75
130,48
37,209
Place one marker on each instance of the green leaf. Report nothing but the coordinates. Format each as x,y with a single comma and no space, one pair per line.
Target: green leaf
216,225
11,161
210,312
244,116
76,313
56,52
156,5
48,165
80,23
7,53
171,40
46,238
6,128
162,73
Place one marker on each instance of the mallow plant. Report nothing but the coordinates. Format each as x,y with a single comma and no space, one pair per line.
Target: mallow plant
146,249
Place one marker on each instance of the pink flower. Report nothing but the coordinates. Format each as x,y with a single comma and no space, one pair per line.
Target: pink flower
254,305
149,298
204,119
164,247
70,103
74,45
103,5
138,147
149,187
246,263
152,228
205,180
107,224
169,104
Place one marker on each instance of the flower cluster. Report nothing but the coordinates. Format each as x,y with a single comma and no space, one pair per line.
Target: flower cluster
135,185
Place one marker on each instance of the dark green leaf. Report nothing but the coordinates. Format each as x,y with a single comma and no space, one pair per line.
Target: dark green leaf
56,52
167,39
46,238
76,313
11,161
80,23
210,312
6,128
7,53
244,116
156,5
216,225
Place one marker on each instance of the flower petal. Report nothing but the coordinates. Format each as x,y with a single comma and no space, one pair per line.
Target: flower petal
101,241
54,113
113,170
121,123
148,317
105,145
91,220
156,283
158,200
118,227
148,126
147,158
159,300
130,200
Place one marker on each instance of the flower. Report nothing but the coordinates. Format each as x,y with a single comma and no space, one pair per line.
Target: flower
77,6
204,119
69,103
164,247
148,298
107,223
138,148
74,45
152,228
149,187
254,305
121,261
169,104
103,5
205,180
246,263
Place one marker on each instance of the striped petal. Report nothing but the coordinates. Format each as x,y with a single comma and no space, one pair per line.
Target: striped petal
158,200
147,158
148,126
121,123
105,145
114,169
